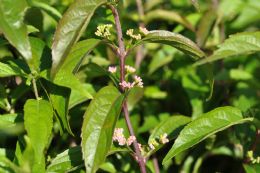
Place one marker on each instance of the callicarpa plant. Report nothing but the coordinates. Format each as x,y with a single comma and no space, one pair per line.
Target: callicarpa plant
129,86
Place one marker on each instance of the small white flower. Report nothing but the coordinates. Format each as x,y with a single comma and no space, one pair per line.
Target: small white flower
112,69
130,69
103,31
130,140
151,146
163,138
126,85
119,137
138,81
130,33
143,30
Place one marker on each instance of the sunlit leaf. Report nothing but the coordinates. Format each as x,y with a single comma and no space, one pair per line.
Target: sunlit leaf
175,40
7,70
70,159
239,44
205,126
11,24
98,126
70,28
38,124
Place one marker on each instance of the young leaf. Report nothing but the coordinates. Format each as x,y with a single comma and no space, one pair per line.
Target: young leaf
205,126
98,126
12,26
238,44
175,40
70,28
7,70
38,124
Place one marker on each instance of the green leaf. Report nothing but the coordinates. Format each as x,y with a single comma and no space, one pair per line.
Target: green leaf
11,124
238,44
70,159
98,126
171,126
252,168
175,40
70,28
38,124
37,46
108,167
11,24
78,52
59,97
134,96
171,16
205,26
79,93
205,126
45,7
7,70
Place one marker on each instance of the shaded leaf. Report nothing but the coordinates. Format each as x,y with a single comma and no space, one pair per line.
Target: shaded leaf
175,40
98,126
11,24
38,124
70,28
169,16
238,44
59,98
11,124
7,70
47,8
205,126
78,52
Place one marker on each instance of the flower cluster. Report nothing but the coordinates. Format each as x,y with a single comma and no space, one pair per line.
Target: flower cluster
143,31
103,31
119,137
130,33
112,69
162,140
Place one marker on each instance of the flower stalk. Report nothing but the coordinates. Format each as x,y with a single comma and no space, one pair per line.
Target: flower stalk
122,55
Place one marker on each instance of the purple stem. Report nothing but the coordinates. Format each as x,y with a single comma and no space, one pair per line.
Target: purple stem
122,55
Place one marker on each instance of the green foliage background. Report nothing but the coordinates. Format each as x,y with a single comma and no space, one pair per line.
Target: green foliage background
45,135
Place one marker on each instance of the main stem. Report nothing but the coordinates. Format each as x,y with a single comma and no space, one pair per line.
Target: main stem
122,56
